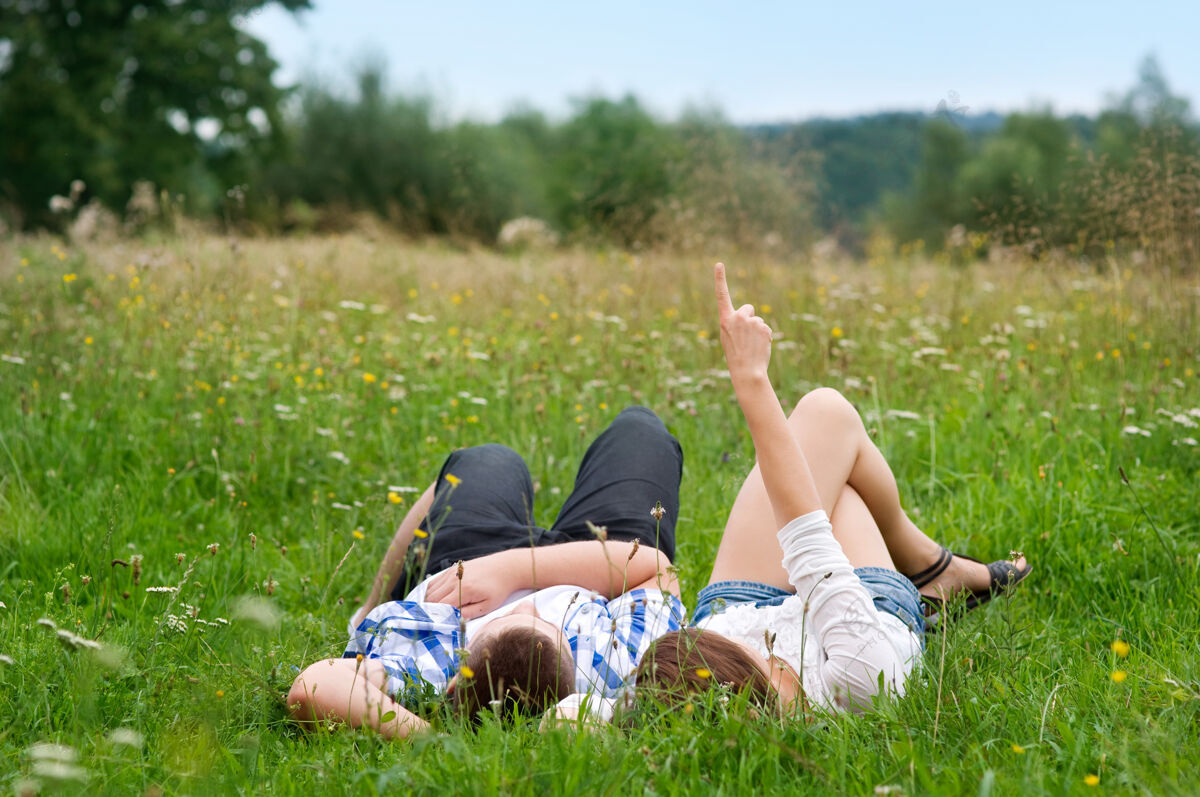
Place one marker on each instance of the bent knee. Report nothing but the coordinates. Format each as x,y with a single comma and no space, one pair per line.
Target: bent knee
827,404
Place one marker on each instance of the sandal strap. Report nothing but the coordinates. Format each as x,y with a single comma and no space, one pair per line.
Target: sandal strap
933,571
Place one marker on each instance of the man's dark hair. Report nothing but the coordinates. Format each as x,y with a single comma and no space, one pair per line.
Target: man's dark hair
516,671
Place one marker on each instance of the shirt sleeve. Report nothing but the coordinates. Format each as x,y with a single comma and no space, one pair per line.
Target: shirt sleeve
588,707
858,654
636,619
417,643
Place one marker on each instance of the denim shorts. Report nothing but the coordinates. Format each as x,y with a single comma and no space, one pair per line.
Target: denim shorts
891,592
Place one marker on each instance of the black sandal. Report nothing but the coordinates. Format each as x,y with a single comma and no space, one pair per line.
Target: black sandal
1002,576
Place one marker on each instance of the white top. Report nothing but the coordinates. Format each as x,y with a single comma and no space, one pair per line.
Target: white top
842,644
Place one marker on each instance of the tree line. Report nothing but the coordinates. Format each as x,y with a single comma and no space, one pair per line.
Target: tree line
150,110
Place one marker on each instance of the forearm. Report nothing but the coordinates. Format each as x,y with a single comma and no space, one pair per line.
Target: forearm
609,567
393,560
784,468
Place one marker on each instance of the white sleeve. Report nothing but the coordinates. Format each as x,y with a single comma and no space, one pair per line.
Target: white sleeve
858,652
585,706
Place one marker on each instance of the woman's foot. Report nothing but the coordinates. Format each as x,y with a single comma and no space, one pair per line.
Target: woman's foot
951,575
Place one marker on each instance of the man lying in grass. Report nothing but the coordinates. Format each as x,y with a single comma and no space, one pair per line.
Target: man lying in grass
801,610
516,617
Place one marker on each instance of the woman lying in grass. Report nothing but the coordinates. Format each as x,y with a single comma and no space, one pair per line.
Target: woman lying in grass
801,610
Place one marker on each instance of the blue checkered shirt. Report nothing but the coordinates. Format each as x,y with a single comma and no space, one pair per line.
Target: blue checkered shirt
418,642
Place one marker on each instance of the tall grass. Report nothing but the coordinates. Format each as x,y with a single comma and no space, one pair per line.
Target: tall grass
228,418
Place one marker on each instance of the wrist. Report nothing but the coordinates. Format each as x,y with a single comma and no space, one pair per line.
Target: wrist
750,379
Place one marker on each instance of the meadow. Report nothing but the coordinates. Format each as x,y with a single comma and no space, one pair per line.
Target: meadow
206,443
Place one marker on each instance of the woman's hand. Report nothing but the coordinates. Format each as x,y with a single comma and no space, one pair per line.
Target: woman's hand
745,337
484,585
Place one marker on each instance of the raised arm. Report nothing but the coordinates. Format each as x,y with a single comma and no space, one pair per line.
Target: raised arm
746,339
610,568
393,560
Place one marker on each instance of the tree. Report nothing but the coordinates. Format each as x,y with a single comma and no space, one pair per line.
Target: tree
117,91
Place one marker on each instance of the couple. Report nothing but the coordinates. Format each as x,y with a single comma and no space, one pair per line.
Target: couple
806,603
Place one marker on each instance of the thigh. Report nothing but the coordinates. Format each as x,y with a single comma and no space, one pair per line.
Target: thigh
853,527
857,532
830,434
482,504
631,467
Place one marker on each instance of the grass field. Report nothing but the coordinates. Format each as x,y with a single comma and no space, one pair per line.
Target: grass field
247,422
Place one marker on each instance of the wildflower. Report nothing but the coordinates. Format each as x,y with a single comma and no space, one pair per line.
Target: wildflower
87,341
836,332
395,497
358,534
703,673
369,378
220,693
358,657
599,532
127,737
420,534
454,480
657,512
1018,749
467,672
213,547
69,278
179,557
160,589
1091,780
1119,676
135,562
1121,648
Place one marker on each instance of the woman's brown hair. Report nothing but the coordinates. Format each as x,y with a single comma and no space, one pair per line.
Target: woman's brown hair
684,662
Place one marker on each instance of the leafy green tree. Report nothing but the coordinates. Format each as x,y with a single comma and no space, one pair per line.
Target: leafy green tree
116,91
612,170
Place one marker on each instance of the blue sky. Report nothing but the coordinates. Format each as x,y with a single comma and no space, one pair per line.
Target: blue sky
758,61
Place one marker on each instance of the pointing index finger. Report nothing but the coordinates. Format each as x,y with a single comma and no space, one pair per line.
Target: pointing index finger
724,304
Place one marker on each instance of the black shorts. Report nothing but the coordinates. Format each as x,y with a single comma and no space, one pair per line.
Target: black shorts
634,464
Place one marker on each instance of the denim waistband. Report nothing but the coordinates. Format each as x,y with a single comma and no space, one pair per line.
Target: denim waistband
890,592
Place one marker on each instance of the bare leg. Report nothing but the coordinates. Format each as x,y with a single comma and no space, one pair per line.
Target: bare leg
858,533
350,691
840,453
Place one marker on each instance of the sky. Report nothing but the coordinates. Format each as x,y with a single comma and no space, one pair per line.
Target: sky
756,61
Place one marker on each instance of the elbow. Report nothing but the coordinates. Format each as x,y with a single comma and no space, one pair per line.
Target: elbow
855,684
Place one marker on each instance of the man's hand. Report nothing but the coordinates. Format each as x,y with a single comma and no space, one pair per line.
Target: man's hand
745,337
484,585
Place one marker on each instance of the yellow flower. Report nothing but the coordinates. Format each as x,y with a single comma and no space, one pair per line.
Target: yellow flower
466,672
703,673
1099,356
1121,648
220,693
395,497
420,534
1018,749
1119,676
87,341
1116,354
358,534
836,332
358,657
1091,780
454,480
69,277
368,378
